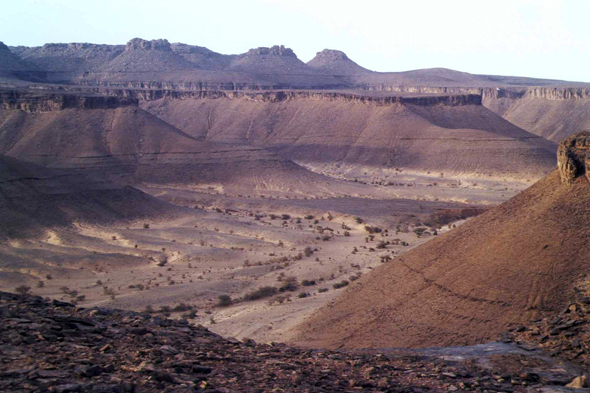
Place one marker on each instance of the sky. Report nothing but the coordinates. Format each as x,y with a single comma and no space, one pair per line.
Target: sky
534,38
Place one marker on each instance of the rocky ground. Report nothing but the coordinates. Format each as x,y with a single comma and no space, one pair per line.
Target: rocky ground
57,347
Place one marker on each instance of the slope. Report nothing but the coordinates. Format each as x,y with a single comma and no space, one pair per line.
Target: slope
451,134
115,137
513,264
553,113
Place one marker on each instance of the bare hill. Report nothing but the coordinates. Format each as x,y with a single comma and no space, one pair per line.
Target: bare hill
34,199
509,266
335,62
451,134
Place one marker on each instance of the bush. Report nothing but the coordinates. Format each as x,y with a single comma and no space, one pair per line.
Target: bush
371,229
308,251
285,217
340,284
146,226
224,301
289,285
346,233
303,295
23,289
322,290
308,217
308,283
261,293
382,244
358,220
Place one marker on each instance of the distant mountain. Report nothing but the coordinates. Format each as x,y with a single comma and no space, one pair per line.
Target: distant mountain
74,58
202,57
147,56
335,62
13,67
273,60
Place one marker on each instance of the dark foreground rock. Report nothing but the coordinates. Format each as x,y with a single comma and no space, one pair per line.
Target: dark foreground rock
56,347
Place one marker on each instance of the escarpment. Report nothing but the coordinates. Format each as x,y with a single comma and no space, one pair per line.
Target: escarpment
31,101
449,133
573,157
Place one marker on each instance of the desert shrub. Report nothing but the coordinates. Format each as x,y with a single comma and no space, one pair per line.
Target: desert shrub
346,233
81,298
289,285
285,217
181,307
382,244
146,226
444,217
308,251
23,289
192,314
340,284
322,290
49,277
355,277
261,293
372,229
308,217
358,220
224,300
40,284
308,283
303,295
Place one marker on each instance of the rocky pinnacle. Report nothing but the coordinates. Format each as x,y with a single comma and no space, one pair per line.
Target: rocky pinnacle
573,157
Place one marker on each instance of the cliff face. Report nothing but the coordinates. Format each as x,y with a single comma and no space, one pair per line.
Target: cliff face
573,157
48,102
551,112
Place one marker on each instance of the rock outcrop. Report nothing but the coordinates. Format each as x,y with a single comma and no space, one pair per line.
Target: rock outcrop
30,101
573,157
57,347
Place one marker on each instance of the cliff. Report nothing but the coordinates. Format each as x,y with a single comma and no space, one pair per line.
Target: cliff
30,101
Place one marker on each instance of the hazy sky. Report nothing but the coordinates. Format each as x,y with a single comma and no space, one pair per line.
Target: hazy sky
536,38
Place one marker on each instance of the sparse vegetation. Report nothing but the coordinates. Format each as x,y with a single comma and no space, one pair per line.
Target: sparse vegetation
224,301
23,289
261,293
340,284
